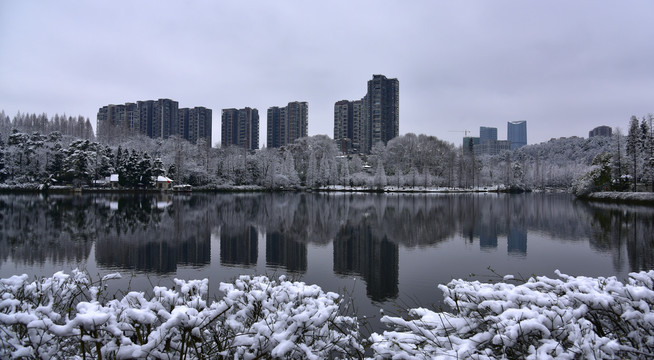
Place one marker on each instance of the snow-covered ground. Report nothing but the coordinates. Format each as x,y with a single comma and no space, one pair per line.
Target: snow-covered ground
69,316
631,197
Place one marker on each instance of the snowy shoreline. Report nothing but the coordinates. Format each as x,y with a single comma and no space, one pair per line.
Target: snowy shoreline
644,198
36,188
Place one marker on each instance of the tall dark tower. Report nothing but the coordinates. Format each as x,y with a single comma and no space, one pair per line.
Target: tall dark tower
381,111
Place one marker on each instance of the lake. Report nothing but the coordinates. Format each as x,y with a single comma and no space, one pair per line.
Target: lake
385,250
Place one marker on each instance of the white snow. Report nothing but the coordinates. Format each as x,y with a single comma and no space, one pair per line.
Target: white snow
567,317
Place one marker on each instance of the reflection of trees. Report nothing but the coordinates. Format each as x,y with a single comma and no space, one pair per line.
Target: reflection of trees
614,226
141,232
35,229
159,232
287,253
238,246
156,234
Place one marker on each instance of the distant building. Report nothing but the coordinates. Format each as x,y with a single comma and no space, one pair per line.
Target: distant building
199,125
491,147
487,134
154,118
240,128
469,143
517,133
380,111
287,124
358,125
601,131
347,126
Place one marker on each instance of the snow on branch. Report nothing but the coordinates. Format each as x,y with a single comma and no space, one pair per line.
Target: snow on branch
570,317
65,317
68,316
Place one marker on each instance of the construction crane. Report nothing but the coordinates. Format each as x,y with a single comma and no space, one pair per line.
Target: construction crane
465,132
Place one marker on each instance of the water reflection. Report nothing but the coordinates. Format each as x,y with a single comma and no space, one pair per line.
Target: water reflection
358,250
238,246
366,232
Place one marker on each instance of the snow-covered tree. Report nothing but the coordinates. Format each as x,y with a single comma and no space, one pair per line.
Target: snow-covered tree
312,172
633,148
380,176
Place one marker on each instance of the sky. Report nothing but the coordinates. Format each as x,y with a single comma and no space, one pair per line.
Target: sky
563,66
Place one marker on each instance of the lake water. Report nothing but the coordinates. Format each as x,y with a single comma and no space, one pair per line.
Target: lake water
385,250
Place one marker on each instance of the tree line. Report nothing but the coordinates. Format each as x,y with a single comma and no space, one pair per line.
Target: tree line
407,161
627,165
66,125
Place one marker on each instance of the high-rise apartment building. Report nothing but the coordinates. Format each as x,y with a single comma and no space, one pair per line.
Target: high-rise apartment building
358,125
164,118
195,124
286,124
517,133
200,125
275,127
154,118
240,128
347,126
381,111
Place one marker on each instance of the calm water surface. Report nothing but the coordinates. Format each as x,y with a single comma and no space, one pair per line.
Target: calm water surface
387,250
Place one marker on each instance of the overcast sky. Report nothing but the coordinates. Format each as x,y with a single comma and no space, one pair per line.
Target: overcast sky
564,66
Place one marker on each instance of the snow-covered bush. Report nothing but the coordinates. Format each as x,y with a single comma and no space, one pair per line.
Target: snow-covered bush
566,318
70,317
66,317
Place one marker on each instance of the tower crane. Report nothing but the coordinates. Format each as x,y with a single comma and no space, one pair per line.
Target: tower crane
465,132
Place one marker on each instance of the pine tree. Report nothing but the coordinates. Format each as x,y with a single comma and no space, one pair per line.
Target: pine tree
144,170
646,150
618,161
345,172
380,176
157,167
633,148
312,171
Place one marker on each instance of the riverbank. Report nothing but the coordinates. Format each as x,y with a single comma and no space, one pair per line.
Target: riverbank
643,198
37,188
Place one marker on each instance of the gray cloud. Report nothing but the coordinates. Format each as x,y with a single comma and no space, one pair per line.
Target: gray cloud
565,67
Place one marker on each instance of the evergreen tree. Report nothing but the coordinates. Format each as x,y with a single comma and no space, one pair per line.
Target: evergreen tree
380,176
144,170
633,148
55,165
312,171
289,169
647,150
157,168
345,171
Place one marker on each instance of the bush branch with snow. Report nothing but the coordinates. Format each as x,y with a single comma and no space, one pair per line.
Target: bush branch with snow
65,317
570,317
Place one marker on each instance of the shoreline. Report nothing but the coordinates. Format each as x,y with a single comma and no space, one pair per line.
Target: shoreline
27,189
637,198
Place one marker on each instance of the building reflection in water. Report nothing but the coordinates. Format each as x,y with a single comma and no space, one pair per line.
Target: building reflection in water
153,234
158,233
238,246
517,240
286,253
357,251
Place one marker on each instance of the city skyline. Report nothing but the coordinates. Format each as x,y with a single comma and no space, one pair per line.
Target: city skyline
569,68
